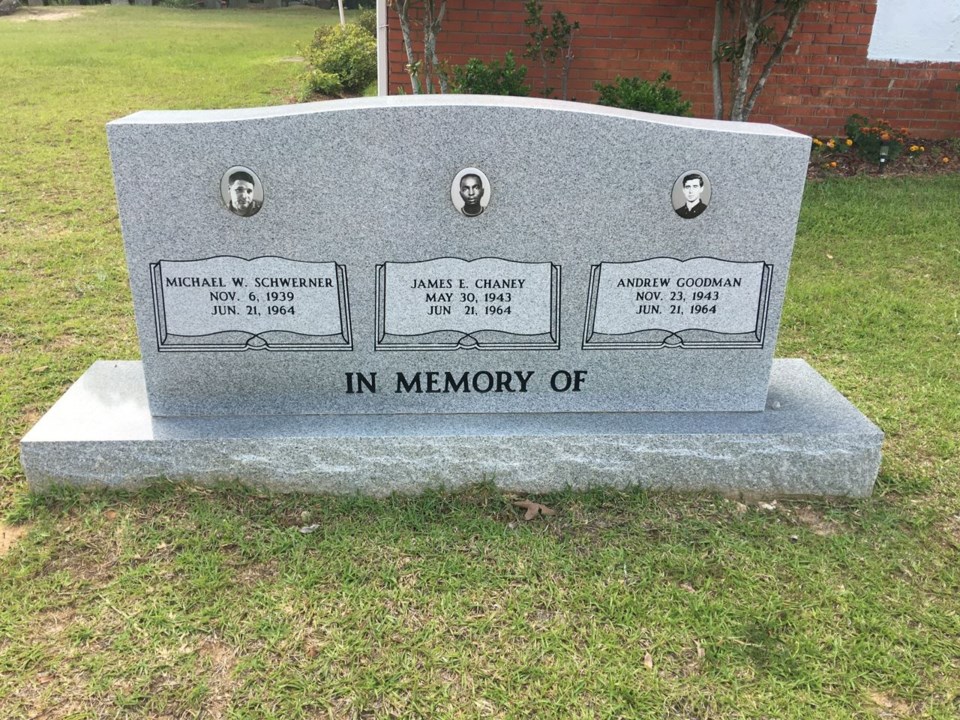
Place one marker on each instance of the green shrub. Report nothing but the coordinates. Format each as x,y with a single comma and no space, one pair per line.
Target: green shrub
181,4
318,81
869,137
347,53
637,94
367,19
492,78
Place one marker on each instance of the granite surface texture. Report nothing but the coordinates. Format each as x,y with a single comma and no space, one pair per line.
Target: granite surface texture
573,188
809,441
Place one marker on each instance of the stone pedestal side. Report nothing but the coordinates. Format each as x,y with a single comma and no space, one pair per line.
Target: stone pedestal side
809,441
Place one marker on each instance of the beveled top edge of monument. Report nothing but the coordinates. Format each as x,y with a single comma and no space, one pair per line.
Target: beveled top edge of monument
162,117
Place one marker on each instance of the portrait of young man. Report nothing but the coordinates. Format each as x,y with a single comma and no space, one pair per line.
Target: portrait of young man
243,196
692,187
470,192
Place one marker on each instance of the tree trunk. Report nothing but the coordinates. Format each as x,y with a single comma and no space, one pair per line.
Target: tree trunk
403,13
547,90
432,24
715,67
427,72
567,61
565,73
751,23
429,45
434,60
343,20
748,24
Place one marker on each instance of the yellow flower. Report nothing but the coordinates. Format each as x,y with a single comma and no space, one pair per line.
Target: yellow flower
833,164
946,160
849,142
914,148
922,148
817,142
831,144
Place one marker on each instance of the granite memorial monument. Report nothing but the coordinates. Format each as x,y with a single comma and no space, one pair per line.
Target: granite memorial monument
384,294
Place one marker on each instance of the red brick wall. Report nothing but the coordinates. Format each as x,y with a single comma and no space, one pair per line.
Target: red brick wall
823,77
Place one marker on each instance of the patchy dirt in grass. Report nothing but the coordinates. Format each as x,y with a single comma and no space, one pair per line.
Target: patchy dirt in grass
27,14
815,522
10,535
254,574
950,532
221,661
52,624
67,342
888,706
30,416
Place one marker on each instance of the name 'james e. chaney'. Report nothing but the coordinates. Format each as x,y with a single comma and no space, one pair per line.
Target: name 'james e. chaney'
461,284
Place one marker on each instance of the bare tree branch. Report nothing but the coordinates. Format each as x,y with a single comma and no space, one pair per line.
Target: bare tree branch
774,58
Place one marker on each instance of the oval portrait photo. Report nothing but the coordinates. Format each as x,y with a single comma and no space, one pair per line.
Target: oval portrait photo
691,194
470,192
241,191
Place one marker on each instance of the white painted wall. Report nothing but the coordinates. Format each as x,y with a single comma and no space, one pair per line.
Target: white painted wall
916,31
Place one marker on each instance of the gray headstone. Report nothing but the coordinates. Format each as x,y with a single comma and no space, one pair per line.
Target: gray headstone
211,4
239,3
381,295
572,285
271,4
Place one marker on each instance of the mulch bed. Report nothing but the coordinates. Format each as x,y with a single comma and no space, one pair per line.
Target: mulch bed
938,157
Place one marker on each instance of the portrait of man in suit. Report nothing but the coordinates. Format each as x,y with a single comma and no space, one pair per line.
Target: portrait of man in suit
692,200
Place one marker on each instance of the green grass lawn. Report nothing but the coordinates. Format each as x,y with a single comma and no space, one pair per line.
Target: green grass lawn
188,603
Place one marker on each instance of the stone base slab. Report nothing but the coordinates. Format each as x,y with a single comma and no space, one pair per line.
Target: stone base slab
809,441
